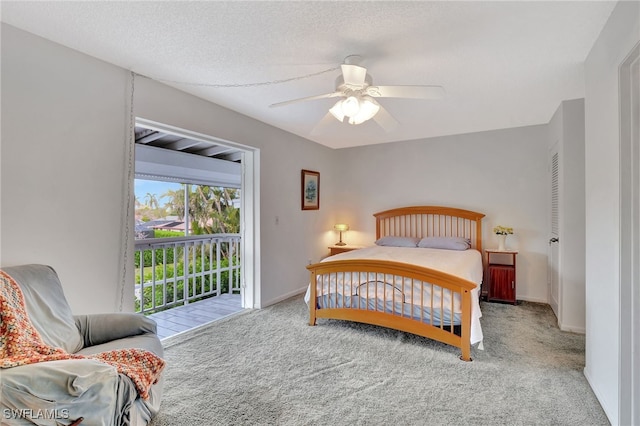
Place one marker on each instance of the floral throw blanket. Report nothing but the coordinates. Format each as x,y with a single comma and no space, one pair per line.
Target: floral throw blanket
20,343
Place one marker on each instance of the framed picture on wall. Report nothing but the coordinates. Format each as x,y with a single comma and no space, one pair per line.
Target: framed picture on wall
310,190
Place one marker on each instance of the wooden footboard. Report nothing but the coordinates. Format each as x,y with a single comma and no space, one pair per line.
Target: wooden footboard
396,295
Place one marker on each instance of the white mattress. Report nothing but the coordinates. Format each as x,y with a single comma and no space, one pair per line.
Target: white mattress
465,264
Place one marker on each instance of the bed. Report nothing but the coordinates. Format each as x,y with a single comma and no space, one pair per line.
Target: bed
428,290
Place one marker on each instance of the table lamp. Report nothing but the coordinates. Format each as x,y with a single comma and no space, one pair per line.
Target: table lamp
341,227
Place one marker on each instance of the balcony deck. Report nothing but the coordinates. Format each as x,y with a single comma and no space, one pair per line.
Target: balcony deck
183,318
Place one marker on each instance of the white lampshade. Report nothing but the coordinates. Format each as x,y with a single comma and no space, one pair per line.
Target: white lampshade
337,112
368,109
351,106
341,227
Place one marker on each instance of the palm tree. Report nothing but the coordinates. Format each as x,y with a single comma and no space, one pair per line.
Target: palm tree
151,200
175,204
199,209
211,209
225,216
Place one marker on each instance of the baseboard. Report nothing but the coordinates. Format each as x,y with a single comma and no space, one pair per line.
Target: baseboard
563,327
578,330
284,297
534,300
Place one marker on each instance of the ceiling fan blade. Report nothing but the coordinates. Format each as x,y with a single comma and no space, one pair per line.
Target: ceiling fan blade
353,75
322,124
385,120
309,98
412,92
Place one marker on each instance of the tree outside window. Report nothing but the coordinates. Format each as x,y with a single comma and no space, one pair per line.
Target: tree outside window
211,210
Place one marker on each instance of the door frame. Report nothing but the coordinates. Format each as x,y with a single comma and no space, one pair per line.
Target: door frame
629,384
249,209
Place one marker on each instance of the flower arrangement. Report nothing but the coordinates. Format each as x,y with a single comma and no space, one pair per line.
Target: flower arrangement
502,230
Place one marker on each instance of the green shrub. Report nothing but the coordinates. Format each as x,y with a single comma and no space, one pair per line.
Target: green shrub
163,233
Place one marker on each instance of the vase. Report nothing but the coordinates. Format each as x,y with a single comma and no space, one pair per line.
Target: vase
502,238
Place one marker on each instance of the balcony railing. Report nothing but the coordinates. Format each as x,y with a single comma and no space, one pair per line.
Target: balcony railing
176,271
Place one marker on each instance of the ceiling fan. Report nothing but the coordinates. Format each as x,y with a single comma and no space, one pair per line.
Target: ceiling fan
358,95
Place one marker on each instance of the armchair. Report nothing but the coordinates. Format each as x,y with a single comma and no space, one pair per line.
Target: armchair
60,392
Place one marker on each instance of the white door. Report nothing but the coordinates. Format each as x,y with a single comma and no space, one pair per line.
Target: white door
553,279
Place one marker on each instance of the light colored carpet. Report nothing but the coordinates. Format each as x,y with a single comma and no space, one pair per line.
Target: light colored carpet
268,367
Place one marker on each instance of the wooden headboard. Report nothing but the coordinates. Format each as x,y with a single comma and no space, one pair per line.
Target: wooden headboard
431,221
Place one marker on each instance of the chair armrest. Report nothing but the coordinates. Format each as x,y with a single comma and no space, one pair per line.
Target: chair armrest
65,390
102,328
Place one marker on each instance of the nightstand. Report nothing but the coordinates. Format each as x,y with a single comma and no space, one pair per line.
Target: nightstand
501,276
341,249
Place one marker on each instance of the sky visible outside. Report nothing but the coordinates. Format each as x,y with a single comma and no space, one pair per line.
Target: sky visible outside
143,187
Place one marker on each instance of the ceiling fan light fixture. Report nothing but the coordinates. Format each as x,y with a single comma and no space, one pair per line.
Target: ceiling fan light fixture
337,112
368,109
358,96
351,106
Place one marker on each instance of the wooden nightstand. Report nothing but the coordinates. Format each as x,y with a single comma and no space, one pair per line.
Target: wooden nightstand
501,276
341,249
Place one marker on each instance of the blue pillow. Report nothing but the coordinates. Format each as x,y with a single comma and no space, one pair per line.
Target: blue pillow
446,243
392,241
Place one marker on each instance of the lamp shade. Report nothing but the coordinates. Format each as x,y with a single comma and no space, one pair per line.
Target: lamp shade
368,108
357,108
341,227
336,110
351,106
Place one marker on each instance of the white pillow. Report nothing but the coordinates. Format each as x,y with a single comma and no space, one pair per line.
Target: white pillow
446,243
392,241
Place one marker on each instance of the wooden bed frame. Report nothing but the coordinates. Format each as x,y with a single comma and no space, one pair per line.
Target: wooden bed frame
416,221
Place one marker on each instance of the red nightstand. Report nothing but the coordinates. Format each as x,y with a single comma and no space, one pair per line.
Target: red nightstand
501,276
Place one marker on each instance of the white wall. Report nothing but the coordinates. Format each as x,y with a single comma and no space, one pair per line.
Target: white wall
602,170
501,173
566,128
64,135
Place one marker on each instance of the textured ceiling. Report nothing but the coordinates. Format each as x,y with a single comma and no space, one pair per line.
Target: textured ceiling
502,64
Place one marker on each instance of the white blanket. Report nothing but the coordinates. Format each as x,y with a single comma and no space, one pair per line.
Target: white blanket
465,264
